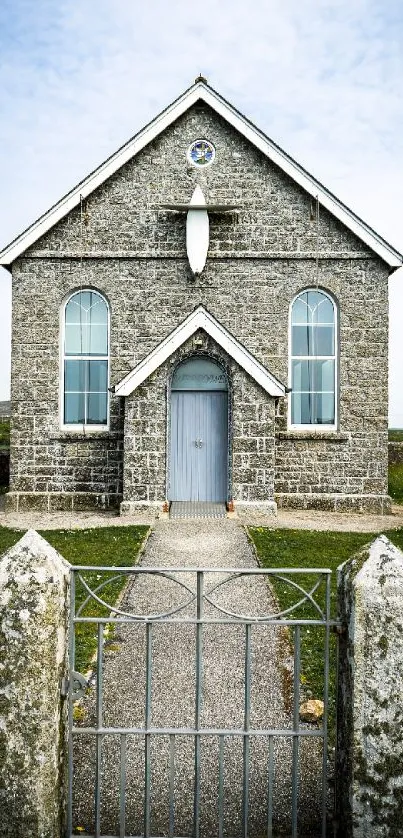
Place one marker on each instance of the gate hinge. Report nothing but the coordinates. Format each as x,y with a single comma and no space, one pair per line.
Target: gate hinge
77,686
339,629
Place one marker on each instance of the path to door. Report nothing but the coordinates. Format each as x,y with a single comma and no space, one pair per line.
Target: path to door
190,544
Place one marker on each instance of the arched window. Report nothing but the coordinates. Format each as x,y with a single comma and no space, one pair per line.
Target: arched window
85,359
313,360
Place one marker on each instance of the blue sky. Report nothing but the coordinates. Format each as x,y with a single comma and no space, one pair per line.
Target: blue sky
323,78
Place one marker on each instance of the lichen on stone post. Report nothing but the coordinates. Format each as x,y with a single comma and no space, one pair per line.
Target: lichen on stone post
370,694
34,584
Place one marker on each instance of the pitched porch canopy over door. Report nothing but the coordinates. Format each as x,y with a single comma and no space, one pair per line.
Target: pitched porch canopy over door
200,318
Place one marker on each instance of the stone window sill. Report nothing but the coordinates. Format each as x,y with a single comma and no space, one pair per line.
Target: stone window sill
86,437
317,436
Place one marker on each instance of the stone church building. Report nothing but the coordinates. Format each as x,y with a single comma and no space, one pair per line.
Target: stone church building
199,320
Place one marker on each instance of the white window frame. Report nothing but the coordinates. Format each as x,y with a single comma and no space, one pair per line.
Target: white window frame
325,428
83,428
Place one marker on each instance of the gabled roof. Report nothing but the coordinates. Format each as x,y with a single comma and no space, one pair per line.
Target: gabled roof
200,318
202,91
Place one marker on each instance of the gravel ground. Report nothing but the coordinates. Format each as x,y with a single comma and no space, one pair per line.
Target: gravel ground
188,544
285,518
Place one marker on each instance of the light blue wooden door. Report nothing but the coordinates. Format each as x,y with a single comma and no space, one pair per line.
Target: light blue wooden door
199,445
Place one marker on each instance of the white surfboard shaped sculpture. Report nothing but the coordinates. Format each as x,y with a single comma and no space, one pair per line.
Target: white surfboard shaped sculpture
197,231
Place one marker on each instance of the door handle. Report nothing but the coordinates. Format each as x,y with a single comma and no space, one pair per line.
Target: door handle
198,443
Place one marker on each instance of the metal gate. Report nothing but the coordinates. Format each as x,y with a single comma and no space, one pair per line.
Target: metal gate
236,774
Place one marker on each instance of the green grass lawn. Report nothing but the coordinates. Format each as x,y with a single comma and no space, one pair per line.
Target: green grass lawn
395,486
118,546
311,549
8,538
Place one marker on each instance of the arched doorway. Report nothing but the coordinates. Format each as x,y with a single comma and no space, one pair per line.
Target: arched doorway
199,432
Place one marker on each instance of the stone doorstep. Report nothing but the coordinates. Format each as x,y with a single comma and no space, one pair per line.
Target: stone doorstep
191,510
253,512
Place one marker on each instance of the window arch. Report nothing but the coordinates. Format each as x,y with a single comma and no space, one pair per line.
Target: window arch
85,359
313,360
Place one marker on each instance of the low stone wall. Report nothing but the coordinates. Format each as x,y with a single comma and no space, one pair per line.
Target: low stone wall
336,502
395,450
60,501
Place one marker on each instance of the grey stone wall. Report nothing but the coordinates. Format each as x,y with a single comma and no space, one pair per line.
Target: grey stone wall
133,251
370,746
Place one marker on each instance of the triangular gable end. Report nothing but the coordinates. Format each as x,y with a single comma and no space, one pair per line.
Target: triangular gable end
200,319
201,90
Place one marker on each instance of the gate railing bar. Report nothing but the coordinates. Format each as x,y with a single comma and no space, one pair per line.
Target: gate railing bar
221,787
258,571
122,803
99,714
171,785
147,741
326,707
295,742
100,651
98,761
210,622
246,740
72,638
191,731
198,702
336,779
270,790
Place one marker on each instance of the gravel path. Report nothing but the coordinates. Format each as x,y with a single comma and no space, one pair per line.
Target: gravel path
188,544
286,518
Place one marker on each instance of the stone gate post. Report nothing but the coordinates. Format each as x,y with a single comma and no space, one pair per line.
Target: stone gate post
370,694
34,581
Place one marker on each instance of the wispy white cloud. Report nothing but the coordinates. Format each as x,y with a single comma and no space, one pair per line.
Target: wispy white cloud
323,79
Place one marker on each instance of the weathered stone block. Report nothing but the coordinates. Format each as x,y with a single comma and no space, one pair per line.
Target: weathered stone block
370,714
11,502
150,510
37,502
60,502
258,513
34,582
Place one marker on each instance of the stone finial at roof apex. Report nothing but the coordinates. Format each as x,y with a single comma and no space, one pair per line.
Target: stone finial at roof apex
200,78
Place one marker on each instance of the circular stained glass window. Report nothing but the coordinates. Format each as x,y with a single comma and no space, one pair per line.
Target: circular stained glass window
201,153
